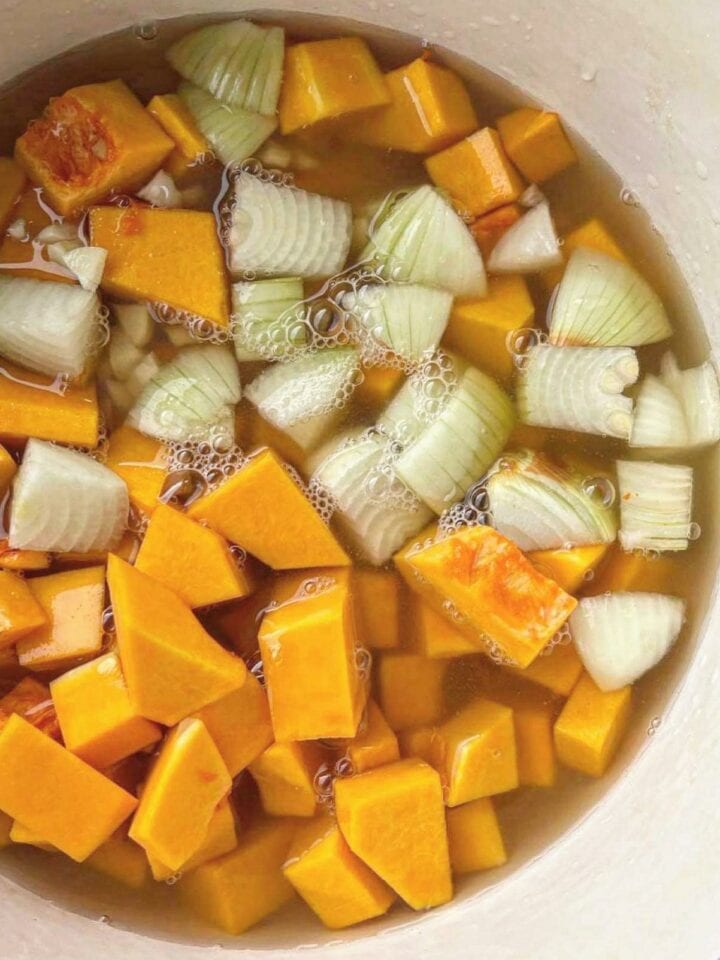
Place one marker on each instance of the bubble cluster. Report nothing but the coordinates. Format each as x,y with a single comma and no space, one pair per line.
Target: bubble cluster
497,654
324,780
472,511
382,485
363,662
434,382
199,328
194,469
520,343
321,498
239,556
101,331
137,522
562,638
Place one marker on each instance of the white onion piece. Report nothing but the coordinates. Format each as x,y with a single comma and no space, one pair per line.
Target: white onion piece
18,230
46,326
141,374
540,506
135,321
278,230
64,500
655,505
240,63
374,505
123,356
57,232
233,133
659,417
698,391
268,318
578,388
603,302
161,192
620,636
419,238
407,319
87,263
461,442
419,399
529,246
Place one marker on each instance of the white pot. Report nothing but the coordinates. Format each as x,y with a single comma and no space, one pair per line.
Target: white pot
636,876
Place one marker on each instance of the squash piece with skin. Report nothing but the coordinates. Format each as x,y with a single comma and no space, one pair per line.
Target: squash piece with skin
186,783
238,890
285,775
20,612
172,666
334,883
193,561
116,146
171,256
474,836
55,794
374,744
97,721
414,861
283,529
141,462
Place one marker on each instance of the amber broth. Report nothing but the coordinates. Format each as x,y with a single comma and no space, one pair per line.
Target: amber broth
531,818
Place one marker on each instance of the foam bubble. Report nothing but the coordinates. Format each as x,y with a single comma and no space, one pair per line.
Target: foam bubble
199,328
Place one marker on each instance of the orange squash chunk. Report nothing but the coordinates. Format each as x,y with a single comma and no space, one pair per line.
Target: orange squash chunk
171,256
32,406
429,109
141,462
410,689
309,651
333,882
589,729
592,234
7,470
328,78
177,122
476,173
536,143
98,723
570,568
20,612
93,141
500,599
172,666
633,571
190,559
122,860
6,825
261,434
474,836
285,774
377,607
490,227
282,528
186,783
19,833
414,860
22,559
32,701
73,603
12,181
558,670
221,838
374,744
239,724
479,329
436,636
379,385
238,890
55,794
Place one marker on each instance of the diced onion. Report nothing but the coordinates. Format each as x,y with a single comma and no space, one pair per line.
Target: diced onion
529,246
655,505
233,133
268,318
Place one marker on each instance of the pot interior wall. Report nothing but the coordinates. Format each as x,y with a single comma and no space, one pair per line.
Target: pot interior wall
532,819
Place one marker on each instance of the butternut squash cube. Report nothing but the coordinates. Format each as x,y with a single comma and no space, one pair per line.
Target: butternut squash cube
12,181
22,560
333,882
414,860
97,721
285,774
474,752
186,783
239,723
490,227
474,836
262,434
536,143
591,726
171,256
402,557
410,689
570,568
55,794
73,603
592,234
324,79
377,608
92,141
177,122
558,670
476,173
374,744
5,828
436,636
429,109
190,559
238,890
31,700
378,387
282,528
20,612
22,834
7,467
479,329
633,571
141,462
172,666
535,745
499,597
122,860
309,651
221,838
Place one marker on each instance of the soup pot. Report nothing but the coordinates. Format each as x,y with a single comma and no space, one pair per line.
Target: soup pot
631,871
